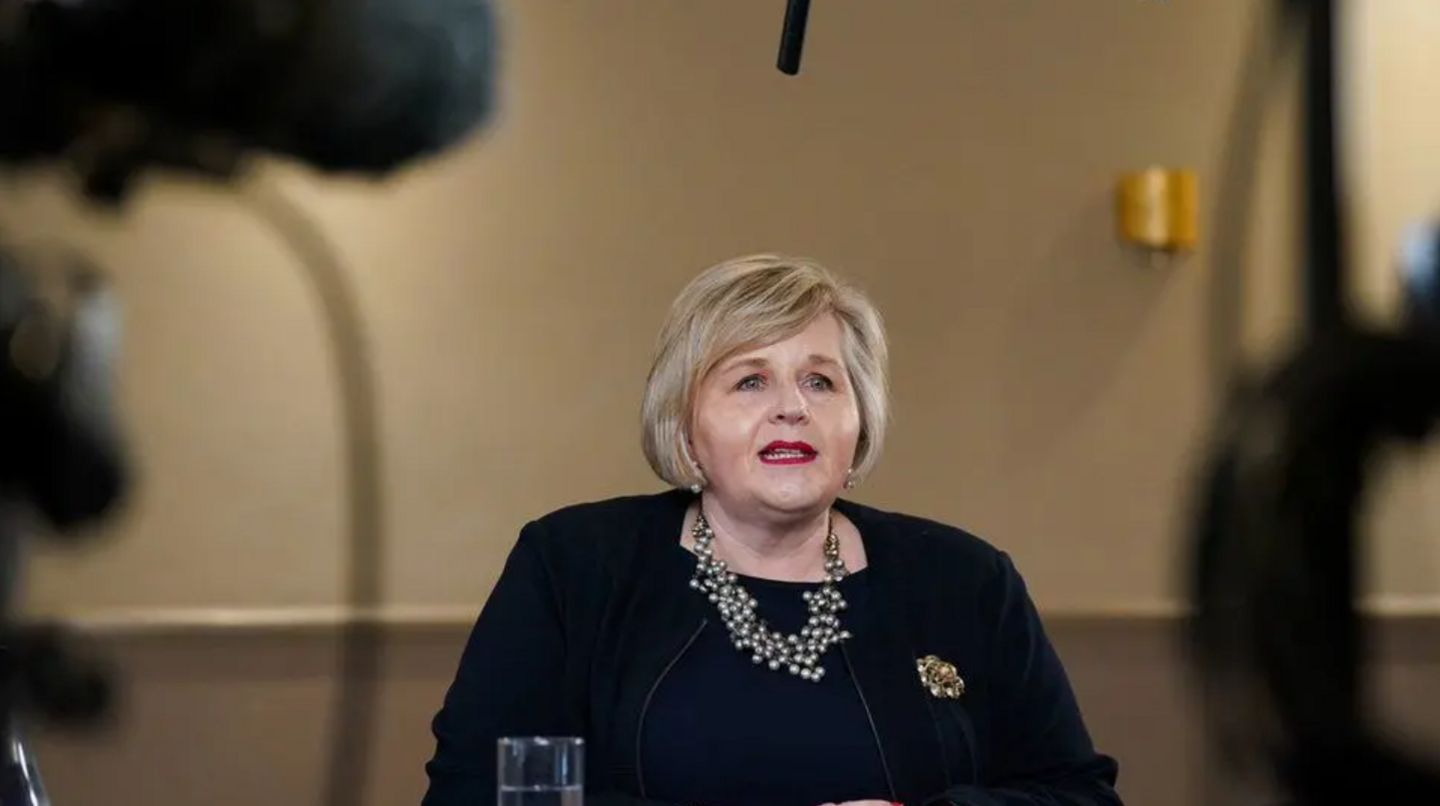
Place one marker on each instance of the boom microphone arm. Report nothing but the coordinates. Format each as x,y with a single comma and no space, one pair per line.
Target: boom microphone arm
792,36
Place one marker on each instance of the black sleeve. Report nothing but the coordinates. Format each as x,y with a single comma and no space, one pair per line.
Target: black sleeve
509,683
1041,750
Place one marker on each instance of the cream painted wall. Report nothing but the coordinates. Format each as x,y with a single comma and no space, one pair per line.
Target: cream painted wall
955,158
1395,181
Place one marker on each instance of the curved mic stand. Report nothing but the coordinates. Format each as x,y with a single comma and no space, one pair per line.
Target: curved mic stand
361,642
69,467
92,88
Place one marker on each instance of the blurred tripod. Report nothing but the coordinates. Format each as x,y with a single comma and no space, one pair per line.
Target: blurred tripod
1276,632
62,469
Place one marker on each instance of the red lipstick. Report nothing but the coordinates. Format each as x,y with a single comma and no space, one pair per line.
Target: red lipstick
781,452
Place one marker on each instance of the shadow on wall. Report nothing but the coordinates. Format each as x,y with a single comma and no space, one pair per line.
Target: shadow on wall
1076,317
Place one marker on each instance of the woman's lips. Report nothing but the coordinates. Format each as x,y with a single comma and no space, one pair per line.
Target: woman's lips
788,453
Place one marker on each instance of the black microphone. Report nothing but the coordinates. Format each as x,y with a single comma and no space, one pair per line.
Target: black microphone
792,36
110,89
395,80
113,87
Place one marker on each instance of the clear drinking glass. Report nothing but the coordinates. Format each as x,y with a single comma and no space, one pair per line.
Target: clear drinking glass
541,771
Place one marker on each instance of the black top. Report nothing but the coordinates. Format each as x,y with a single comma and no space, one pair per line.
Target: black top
589,613
719,726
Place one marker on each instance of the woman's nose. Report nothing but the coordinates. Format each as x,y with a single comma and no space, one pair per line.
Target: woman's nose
791,407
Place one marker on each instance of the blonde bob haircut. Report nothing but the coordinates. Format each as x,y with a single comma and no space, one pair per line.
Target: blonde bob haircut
742,304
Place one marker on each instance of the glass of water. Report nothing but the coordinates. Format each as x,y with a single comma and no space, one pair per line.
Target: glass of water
541,771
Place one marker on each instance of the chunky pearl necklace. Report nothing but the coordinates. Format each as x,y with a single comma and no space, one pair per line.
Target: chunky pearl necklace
799,654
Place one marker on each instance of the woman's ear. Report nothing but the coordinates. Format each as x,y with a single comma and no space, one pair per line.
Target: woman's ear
688,448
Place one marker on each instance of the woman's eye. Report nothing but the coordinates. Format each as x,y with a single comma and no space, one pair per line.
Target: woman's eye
750,382
820,382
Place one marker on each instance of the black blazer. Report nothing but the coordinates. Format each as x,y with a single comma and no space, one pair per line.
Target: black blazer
580,628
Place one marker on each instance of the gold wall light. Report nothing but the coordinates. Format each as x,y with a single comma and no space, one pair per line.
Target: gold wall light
1157,209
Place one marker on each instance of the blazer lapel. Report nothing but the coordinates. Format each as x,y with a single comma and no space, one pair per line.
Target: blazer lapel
882,657
657,620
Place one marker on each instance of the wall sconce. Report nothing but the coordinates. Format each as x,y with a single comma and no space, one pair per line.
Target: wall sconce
1157,209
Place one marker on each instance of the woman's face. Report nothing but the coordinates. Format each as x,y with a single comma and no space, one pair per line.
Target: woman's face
775,428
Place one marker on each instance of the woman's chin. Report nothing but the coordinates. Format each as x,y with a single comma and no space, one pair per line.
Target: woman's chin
798,496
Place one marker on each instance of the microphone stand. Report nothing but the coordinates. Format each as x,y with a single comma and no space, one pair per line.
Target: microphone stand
1276,629
20,781
37,671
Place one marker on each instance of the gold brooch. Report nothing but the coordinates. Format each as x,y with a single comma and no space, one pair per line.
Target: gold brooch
940,678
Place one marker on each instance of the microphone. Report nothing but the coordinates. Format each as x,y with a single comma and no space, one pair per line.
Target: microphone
395,80
114,87
110,89
792,36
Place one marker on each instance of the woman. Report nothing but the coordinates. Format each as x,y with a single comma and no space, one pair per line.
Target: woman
750,638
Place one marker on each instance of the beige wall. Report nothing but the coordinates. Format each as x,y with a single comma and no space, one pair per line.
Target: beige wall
955,157
1395,177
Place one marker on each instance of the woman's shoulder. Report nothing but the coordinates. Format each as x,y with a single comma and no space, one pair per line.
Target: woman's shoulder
928,541
602,525
939,559
622,509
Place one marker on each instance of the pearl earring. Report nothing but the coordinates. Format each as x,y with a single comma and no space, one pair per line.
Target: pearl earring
695,487
850,479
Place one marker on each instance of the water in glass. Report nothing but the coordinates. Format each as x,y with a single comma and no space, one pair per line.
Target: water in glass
541,771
